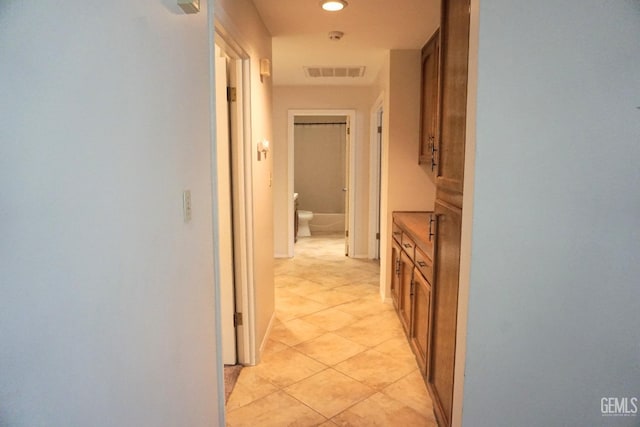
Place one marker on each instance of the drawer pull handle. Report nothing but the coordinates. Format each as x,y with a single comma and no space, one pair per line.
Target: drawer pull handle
422,264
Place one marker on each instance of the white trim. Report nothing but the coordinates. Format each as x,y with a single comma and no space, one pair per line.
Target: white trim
375,175
248,302
214,212
467,219
351,114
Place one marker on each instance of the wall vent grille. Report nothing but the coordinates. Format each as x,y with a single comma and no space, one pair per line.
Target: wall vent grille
314,72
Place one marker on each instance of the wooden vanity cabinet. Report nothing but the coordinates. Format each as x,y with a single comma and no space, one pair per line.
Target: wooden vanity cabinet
412,263
396,272
406,292
445,310
421,320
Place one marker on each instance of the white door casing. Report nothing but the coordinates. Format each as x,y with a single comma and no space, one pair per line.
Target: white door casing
225,222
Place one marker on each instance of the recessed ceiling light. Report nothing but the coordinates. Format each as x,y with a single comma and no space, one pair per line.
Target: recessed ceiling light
333,5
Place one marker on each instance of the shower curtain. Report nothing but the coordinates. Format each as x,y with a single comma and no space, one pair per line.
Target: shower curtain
319,166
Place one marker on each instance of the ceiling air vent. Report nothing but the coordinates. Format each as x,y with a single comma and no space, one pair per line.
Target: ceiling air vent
334,71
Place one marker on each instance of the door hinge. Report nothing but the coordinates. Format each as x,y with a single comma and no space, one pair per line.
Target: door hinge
379,129
348,131
231,94
346,233
377,236
412,287
237,319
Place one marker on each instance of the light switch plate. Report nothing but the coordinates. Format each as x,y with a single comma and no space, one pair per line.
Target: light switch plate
189,6
186,205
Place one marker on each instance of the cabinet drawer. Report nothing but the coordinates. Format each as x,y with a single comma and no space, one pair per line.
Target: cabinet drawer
397,233
424,264
408,245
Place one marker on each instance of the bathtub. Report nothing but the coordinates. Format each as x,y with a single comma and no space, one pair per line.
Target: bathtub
327,223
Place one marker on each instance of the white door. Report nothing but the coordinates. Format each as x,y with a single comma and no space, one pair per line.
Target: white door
225,223
379,183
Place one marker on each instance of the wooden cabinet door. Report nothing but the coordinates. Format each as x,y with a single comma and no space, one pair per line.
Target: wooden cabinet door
396,273
454,70
421,315
430,107
404,308
445,309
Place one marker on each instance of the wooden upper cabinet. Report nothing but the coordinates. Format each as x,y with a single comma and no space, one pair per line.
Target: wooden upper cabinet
430,103
454,71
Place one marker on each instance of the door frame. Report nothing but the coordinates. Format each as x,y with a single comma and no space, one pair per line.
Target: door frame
242,196
375,176
351,178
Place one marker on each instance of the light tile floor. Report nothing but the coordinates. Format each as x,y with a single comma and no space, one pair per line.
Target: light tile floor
336,354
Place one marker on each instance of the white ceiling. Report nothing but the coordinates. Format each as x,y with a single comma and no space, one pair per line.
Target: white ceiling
300,30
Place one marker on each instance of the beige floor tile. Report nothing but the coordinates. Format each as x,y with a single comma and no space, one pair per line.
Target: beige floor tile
287,367
381,411
359,289
412,391
374,378
397,348
375,369
330,349
273,347
332,297
249,387
330,319
306,287
363,307
329,392
275,410
292,332
291,306
372,330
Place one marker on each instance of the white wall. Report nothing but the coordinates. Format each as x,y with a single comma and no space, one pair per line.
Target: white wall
242,23
406,184
321,97
553,309
107,296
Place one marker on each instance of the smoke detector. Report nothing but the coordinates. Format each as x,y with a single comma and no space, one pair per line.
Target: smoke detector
335,35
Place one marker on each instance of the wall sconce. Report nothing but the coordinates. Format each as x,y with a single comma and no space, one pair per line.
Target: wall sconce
263,149
189,6
265,68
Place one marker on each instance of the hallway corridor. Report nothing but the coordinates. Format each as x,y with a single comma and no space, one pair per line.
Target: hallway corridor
336,354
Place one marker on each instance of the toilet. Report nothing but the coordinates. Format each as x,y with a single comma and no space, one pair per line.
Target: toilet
303,223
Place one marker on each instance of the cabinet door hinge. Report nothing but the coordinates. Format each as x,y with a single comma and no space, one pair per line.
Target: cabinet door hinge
379,129
237,319
413,283
231,94
377,236
346,233
348,131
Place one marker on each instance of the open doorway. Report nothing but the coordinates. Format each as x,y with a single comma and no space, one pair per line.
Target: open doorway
321,176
